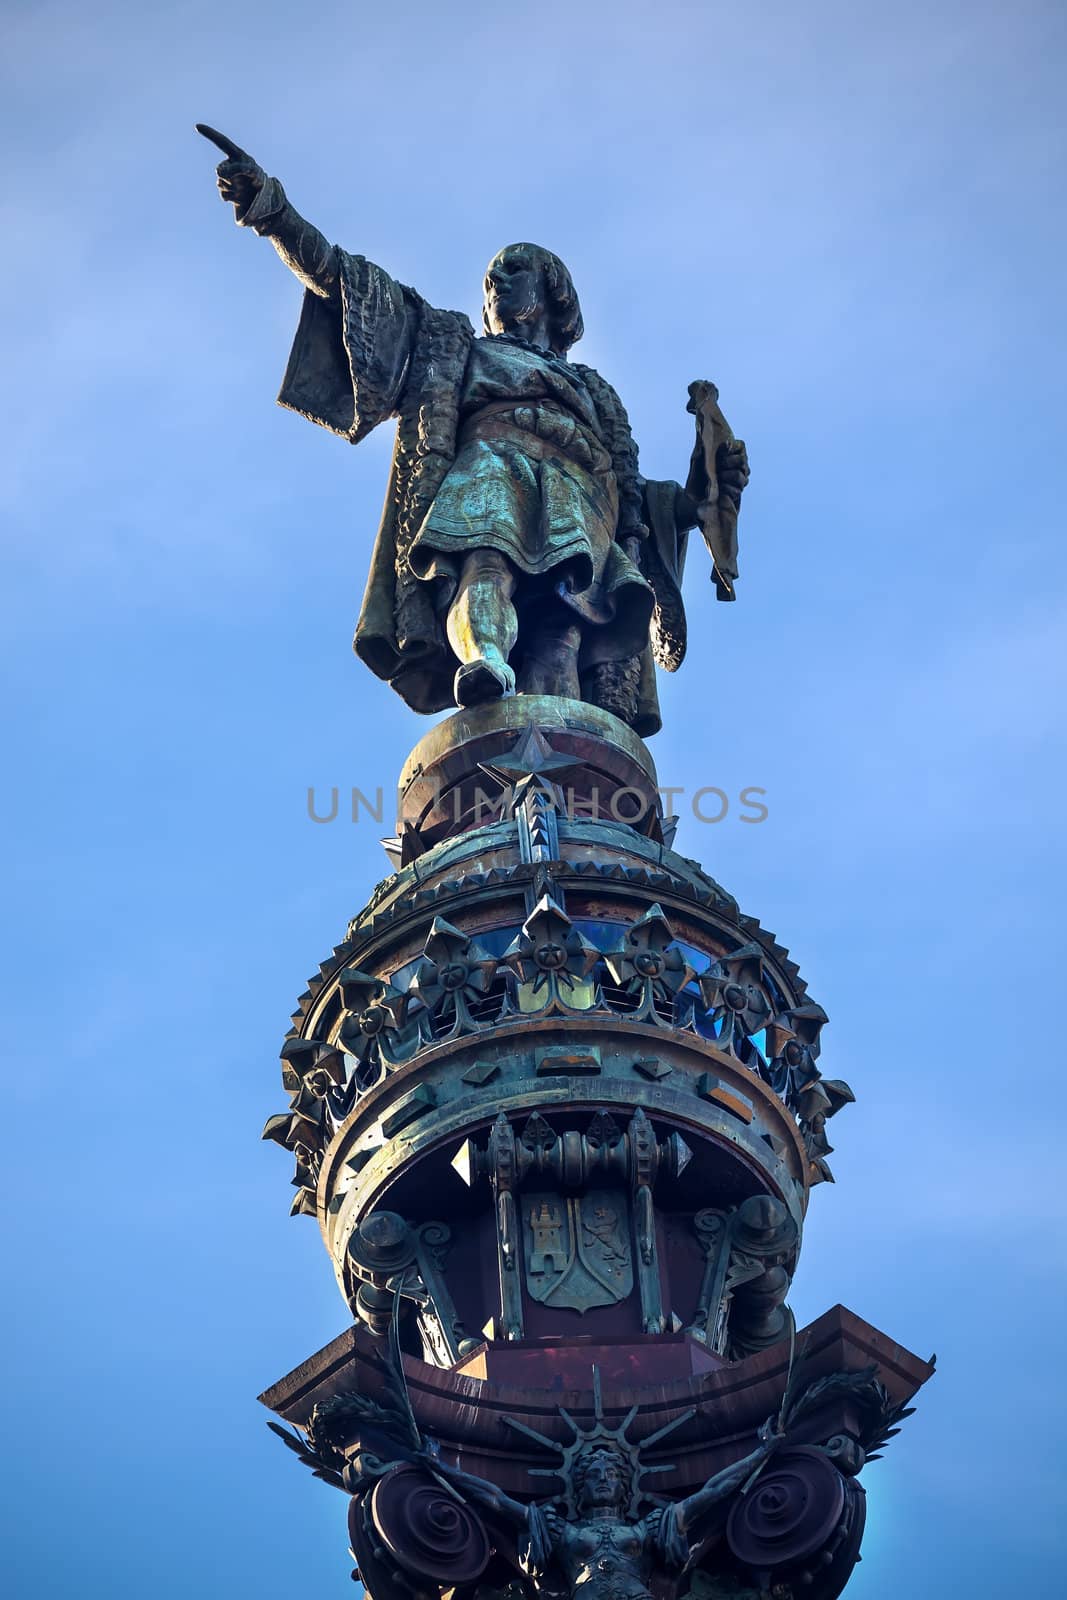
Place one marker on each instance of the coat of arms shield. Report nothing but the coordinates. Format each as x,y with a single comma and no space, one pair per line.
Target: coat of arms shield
577,1249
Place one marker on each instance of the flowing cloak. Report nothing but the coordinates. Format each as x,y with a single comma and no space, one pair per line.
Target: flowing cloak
384,352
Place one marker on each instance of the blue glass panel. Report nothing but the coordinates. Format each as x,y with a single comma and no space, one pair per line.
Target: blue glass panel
774,991
603,935
698,959
403,975
496,940
704,1023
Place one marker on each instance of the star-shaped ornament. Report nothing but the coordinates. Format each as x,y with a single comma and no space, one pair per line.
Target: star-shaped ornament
532,758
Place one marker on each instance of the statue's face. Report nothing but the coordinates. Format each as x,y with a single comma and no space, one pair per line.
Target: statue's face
602,1484
514,290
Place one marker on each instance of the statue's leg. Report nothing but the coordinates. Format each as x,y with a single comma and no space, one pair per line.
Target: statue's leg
550,662
482,628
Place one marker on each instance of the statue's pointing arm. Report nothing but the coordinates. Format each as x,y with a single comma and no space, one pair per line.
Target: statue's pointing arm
260,203
353,344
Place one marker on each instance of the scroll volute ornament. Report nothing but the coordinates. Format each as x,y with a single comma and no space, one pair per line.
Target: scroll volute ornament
410,1532
800,1526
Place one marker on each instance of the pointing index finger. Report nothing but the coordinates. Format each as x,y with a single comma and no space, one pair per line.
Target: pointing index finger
226,145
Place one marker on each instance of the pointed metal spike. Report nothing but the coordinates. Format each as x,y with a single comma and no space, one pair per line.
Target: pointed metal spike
531,1433
668,1427
683,1154
463,1162
565,1414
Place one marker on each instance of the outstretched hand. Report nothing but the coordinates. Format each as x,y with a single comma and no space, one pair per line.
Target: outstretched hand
240,178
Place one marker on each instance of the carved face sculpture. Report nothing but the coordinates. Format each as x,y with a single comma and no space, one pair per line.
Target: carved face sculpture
514,289
600,1481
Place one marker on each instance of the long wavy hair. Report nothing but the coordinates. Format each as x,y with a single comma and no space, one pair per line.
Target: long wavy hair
561,297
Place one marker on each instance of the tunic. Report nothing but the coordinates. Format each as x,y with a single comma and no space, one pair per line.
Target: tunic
498,446
532,479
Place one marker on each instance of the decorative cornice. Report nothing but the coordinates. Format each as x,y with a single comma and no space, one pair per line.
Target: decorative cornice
694,888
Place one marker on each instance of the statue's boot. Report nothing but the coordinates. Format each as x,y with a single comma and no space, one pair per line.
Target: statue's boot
481,680
482,628
550,661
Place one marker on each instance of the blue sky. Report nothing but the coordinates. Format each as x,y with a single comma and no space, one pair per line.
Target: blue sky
852,219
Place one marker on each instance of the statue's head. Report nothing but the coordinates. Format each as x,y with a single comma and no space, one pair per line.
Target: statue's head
601,1478
524,282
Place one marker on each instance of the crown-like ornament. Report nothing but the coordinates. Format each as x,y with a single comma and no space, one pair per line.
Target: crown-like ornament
602,1436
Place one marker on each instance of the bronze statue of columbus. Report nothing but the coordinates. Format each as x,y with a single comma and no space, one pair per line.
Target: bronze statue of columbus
520,548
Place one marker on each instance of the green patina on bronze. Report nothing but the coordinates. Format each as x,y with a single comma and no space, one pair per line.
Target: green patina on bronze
520,546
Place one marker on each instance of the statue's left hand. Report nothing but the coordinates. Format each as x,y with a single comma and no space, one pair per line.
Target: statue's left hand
731,470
